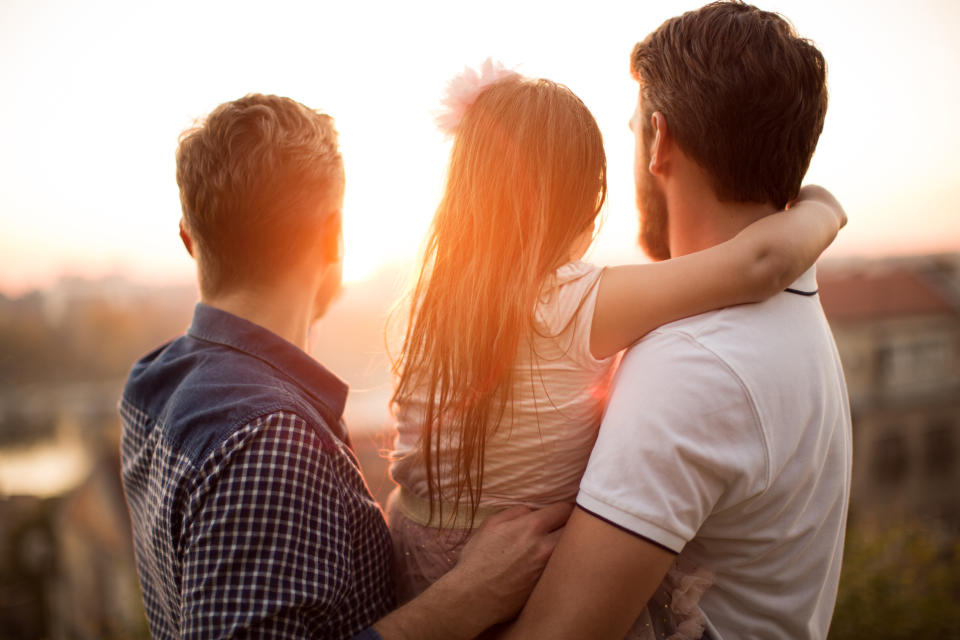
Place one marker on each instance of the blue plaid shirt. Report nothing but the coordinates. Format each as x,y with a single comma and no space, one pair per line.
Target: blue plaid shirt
250,516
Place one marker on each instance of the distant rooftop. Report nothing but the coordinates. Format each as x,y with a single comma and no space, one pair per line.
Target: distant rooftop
887,290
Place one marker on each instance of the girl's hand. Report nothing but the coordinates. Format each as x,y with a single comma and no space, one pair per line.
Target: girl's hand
816,193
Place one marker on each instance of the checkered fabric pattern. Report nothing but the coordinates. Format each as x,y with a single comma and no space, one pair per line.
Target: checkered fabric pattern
271,535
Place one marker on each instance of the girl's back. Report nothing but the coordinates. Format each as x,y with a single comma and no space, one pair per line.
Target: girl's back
496,401
537,454
534,457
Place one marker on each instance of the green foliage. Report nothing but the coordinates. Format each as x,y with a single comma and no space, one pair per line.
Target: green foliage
899,581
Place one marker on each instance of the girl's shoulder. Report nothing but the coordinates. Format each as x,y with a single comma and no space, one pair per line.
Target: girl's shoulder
567,293
573,271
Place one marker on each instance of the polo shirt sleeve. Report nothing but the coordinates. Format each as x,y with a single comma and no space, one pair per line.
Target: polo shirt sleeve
680,439
265,546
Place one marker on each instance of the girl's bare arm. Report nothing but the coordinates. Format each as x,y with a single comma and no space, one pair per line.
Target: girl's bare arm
752,266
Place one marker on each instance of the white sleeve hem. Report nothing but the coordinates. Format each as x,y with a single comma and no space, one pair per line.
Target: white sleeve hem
631,522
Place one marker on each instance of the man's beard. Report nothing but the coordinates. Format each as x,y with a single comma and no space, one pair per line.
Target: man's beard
654,227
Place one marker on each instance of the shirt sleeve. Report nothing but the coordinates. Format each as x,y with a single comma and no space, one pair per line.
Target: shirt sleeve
266,549
565,311
680,439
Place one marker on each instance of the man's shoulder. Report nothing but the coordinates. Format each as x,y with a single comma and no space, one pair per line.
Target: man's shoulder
681,368
764,353
711,328
697,341
786,330
770,362
201,394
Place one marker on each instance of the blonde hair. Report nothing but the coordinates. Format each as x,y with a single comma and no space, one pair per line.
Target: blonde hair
256,179
527,177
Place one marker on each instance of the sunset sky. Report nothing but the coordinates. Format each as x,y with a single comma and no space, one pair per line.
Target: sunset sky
93,96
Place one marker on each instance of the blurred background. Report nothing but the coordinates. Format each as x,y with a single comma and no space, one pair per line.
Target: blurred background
93,96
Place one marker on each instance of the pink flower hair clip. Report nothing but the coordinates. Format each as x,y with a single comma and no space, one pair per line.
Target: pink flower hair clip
463,89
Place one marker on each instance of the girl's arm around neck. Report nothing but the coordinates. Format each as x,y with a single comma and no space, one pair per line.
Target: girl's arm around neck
757,263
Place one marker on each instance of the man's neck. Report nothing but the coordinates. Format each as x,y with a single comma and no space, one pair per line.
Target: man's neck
285,309
698,220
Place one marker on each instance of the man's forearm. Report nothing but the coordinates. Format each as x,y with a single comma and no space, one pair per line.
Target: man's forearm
496,571
595,585
444,611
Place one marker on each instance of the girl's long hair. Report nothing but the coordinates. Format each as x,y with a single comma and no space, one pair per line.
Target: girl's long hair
527,176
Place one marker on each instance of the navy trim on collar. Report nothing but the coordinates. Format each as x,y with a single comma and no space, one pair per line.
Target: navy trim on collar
805,285
221,327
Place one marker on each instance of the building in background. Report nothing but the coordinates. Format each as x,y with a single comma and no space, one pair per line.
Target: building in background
897,327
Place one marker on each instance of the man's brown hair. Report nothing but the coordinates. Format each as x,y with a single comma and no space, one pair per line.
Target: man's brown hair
742,95
256,179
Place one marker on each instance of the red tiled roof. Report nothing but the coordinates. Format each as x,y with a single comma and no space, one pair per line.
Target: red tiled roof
875,295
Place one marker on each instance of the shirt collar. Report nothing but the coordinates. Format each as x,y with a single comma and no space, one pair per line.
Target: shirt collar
215,325
806,284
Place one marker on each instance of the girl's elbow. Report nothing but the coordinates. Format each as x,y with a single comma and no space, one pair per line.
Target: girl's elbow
772,272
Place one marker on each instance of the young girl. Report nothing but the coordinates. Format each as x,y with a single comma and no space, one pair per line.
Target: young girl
512,339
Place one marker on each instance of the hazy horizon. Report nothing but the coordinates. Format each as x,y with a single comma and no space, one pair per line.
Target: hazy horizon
400,268
93,98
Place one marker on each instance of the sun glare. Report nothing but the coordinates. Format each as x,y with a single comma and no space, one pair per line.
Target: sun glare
359,263
92,185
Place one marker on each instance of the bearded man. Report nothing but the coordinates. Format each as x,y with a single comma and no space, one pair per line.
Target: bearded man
724,454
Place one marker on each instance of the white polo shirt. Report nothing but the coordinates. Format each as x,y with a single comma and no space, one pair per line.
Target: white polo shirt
727,439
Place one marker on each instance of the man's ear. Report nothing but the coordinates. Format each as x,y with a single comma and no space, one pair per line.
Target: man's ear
185,237
331,242
660,146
